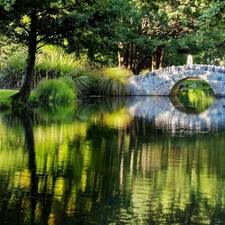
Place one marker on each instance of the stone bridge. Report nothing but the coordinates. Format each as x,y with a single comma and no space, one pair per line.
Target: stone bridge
166,81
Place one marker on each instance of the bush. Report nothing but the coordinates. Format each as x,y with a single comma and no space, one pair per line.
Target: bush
113,81
56,91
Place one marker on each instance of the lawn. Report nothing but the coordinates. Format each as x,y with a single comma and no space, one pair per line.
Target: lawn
5,94
5,102
192,83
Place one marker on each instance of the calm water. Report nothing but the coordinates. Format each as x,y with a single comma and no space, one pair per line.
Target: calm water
143,160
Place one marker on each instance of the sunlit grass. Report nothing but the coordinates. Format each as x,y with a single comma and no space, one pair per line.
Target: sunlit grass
4,94
5,102
55,91
51,62
56,62
113,81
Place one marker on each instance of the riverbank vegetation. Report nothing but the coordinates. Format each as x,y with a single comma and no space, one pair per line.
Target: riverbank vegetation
91,43
59,77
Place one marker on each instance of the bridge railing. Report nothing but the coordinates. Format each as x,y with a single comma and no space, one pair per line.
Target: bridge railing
171,69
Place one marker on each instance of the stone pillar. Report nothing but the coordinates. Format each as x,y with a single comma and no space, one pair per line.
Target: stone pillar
189,60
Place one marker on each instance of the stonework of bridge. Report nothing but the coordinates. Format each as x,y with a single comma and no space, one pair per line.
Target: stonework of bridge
166,81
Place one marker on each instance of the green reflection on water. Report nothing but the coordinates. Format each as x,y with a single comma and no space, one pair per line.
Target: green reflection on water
196,100
103,166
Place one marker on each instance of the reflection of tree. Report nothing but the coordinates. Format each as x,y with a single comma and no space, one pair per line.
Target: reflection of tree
29,138
194,100
92,172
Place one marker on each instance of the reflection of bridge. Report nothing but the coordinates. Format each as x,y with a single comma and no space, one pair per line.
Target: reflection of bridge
168,80
166,117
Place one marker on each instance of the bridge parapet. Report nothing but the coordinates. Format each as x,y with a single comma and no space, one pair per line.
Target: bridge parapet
194,67
166,81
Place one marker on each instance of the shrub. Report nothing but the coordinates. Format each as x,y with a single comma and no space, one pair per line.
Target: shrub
113,81
56,91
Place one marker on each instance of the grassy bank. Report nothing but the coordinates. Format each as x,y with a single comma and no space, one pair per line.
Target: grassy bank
193,84
5,95
54,63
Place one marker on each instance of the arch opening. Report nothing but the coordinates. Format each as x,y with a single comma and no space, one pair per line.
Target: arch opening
194,83
192,95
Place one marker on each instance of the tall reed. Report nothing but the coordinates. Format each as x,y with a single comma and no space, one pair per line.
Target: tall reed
113,81
51,62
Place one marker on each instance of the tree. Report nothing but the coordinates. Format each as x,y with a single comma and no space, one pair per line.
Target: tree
212,15
36,23
161,33
151,25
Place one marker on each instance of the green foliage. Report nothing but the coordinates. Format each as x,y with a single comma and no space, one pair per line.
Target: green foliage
54,20
113,81
212,46
12,69
54,62
55,91
141,31
36,23
212,16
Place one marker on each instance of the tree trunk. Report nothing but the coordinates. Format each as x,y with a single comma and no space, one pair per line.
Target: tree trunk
21,98
158,58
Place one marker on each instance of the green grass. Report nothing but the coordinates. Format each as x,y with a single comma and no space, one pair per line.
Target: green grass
190,85
56,91
113,81
51,62
5,102
4,94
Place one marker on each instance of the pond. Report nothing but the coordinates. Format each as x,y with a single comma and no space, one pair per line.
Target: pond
134,160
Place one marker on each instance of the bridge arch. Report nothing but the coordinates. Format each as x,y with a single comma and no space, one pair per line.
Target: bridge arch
165,81
177,85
